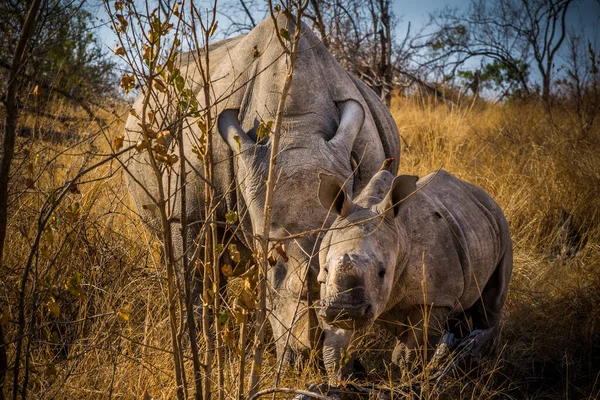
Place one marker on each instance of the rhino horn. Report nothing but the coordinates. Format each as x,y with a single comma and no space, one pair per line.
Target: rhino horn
352,117
231,131
346,259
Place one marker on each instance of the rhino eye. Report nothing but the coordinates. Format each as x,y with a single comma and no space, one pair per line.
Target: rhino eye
382,272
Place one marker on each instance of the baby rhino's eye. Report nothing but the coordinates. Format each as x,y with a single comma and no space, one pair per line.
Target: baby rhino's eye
381,270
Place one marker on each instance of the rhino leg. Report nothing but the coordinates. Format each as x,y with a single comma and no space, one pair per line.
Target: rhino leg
192,254
335,343
423,332
194,248
485,313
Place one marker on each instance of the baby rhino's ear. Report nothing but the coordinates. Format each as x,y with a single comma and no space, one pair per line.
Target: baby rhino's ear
399,196
333,197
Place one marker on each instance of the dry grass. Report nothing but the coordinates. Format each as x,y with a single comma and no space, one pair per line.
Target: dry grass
534,167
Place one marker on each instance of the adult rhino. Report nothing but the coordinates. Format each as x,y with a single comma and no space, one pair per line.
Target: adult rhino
332,122
411,255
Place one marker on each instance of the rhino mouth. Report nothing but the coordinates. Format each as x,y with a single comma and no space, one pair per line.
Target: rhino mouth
347,315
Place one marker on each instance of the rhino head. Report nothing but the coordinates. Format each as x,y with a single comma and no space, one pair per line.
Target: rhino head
306,147
360,253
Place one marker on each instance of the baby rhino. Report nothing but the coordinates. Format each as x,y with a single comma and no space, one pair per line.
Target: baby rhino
414,256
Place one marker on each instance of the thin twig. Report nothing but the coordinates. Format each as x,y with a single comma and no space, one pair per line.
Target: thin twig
291,391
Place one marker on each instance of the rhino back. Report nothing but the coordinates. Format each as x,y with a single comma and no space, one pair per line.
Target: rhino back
457,237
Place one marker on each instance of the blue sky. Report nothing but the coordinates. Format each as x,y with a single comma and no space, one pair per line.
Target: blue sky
583,13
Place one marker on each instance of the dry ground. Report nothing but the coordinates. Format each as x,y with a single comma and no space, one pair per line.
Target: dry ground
109,336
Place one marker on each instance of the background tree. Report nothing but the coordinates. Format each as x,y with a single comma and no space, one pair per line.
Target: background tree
495,77
44,45
580,87
360,34
64,56
8,149
512,33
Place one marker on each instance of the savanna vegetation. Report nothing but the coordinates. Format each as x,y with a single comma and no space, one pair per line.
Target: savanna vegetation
91,302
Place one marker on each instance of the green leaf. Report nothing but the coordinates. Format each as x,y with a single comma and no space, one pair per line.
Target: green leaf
198,152
239,313
345,357
234,253
223,317
53,337
238,141
269,127
231,217
260,131
227,270
53,307
264,129
49,235
285,34
73,284
178,80
156,25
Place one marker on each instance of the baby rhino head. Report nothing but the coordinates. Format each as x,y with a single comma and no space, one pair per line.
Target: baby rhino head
359,253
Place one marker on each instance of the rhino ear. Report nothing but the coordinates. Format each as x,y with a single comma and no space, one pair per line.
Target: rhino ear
231,131
399,196
333,196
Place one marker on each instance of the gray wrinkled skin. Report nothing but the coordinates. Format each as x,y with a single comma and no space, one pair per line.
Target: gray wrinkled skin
328,117
393,251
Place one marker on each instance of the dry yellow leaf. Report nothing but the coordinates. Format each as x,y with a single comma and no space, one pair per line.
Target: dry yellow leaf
118,142
119,50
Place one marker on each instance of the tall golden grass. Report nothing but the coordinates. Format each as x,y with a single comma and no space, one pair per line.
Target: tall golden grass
537,166
115,342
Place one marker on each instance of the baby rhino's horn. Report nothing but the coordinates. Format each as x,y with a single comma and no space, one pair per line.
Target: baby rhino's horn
377,187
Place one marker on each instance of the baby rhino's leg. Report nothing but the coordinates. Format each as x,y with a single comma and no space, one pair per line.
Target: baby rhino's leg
335,342
424,329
